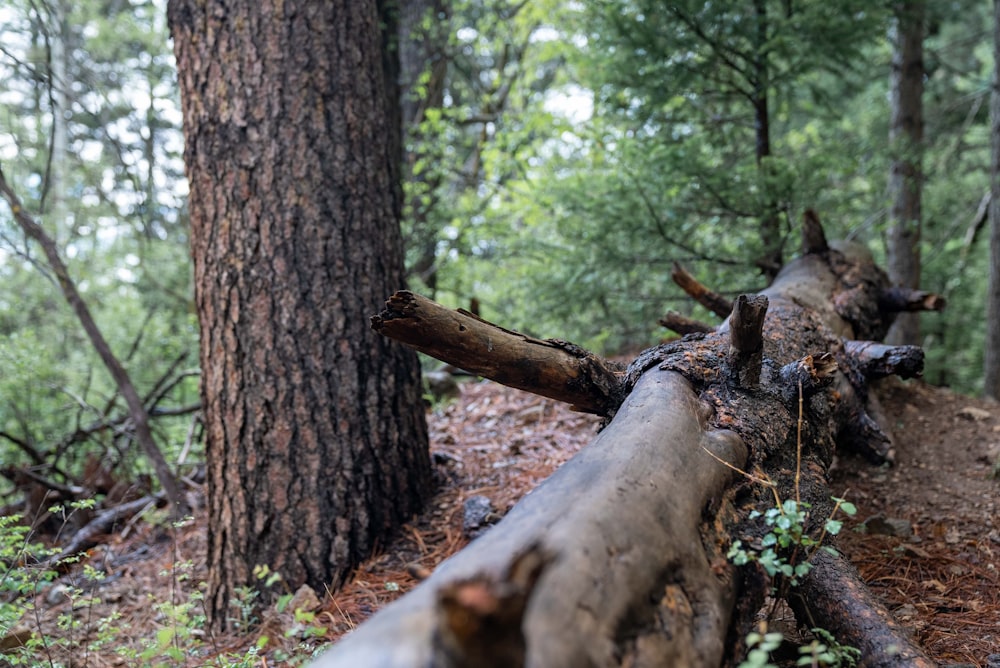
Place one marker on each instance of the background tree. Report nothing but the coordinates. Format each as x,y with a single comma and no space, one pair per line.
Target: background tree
906,127
991,362
317,446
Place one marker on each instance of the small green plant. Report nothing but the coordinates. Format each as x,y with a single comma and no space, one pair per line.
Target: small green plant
760,645
824,650
787,522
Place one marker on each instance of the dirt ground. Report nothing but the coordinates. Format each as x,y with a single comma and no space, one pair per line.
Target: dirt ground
926,538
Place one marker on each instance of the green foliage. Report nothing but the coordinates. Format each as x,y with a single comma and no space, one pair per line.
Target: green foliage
760,645
113,199
628,141
179,638
785,549
823,650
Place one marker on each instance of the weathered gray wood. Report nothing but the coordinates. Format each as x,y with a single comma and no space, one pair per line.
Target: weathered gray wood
630,582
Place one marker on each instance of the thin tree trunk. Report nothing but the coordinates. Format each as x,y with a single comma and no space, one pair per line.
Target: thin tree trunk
424,26
991,362
906,175
770,221
137,410
316,440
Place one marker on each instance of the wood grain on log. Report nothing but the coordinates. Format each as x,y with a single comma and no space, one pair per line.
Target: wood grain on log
608,597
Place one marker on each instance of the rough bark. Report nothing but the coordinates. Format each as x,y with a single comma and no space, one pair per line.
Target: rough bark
316,440
991,357
551,368
906,173
630,535
834,597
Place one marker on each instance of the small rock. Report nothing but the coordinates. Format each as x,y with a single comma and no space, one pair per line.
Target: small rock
57,593
914,551
441,385
888,526
993,661
477,513
304,599
974,414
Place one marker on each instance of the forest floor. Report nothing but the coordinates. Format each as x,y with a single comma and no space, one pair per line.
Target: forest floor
926,539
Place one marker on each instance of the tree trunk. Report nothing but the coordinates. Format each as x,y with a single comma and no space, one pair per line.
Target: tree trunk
906,129
424,28
991,359
619,558
770,221
316,439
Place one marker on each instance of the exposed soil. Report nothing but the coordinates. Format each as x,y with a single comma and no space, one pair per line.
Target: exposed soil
941,579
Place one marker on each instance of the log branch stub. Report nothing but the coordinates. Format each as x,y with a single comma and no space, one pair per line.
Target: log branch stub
833,597
551,368
811,373
813,237
683,325
899,300
746,339
878,360
705,296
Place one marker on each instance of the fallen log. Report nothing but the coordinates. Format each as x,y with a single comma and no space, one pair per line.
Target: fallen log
620,557
647,474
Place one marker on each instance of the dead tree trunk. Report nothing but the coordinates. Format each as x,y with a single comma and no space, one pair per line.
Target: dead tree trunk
619,558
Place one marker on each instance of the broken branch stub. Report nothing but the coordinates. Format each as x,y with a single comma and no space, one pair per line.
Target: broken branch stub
681,324
551,368
746,339
705,296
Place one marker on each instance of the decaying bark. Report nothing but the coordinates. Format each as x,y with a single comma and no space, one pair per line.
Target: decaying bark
552,368
619,558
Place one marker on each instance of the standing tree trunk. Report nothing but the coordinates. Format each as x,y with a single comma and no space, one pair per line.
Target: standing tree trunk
906,129
991,362
317,445
770,222
424,27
